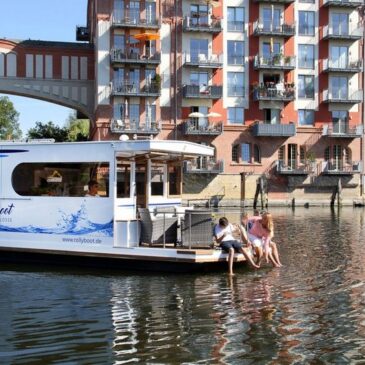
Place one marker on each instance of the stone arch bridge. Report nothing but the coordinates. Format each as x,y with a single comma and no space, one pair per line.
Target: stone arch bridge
57,72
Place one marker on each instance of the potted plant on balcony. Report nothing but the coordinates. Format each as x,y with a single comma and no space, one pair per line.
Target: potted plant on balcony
310,157
157,82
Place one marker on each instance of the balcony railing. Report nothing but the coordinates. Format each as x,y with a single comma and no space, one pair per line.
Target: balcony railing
276,62
338,66
235,91
274,130
352,97
203,61
282,30
192,127
203,91
235,26
204,166
135,126
341,168
128,88
352,32
202,24
343,3
294,168
274,93
342,131
122,18
120,56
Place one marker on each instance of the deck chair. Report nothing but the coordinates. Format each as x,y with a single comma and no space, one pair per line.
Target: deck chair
157,230
197,229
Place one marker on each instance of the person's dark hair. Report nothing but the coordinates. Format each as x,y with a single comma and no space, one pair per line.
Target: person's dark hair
92,183
223,221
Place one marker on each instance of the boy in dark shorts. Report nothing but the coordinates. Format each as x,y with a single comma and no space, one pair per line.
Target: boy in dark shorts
223,233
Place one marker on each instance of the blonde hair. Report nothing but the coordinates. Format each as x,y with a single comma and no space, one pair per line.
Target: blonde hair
267,222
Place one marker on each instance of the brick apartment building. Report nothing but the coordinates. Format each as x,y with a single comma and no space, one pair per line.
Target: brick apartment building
275,86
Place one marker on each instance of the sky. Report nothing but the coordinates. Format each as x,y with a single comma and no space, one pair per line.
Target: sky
48,20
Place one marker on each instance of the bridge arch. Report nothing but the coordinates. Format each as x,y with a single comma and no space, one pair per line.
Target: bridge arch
56,72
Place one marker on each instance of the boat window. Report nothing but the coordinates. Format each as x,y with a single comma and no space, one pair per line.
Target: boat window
174,180
157,174
60,179
123,180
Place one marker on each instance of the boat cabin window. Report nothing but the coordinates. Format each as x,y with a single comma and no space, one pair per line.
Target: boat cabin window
157,179
60,179
123,179
174,178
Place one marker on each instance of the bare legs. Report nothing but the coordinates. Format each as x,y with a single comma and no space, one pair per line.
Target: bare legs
275,255
230,261
249,258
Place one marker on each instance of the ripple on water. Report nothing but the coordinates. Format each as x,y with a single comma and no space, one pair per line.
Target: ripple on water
309,311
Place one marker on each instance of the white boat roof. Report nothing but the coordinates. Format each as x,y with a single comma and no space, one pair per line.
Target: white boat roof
165,149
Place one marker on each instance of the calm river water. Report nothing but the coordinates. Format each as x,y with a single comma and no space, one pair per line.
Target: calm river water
311,311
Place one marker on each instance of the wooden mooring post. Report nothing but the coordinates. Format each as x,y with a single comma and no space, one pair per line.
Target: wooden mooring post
261,191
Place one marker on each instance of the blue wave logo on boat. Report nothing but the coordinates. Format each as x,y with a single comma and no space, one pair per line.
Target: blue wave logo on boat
70,224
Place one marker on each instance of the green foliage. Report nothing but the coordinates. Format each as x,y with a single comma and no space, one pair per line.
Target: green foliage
9,125
78,129
49,130
74,130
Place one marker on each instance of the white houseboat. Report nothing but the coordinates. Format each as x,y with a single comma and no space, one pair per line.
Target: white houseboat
46,215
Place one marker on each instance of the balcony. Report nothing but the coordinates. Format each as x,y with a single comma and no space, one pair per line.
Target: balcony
202,23
192,127
293,168
204,166
353,32
130,89
127,19
352,97
202,61
82,34
273,130
282,30
274,93
119,56
138,127
276,62
343,3
333,167
338,66
342,131
203,91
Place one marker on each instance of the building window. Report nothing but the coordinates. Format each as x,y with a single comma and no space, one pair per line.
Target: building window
256,154
236,81
340,23
198,50
272,18
246,152
306,23
339,87
236,52
235,115
235,153
236,19
302,155
306,86
199,14
339,121
306,117
306,56
339,56
134,115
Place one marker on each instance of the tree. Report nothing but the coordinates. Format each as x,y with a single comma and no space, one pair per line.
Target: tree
9,125
49,130
78,129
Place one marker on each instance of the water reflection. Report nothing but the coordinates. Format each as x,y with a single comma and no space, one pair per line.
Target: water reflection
311,311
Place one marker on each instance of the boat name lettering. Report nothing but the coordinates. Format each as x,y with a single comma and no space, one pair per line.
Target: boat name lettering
7,210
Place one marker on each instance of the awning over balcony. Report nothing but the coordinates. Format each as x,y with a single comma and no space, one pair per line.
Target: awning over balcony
147,36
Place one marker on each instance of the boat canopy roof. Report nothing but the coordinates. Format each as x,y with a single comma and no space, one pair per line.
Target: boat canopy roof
162,150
